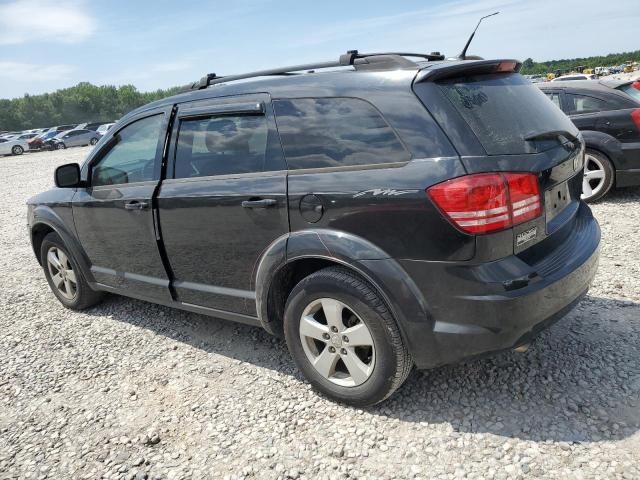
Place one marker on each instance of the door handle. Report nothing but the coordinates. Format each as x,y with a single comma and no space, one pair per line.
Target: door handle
263,203
135,205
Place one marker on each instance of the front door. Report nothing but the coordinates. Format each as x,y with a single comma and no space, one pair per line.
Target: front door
224,199
114,214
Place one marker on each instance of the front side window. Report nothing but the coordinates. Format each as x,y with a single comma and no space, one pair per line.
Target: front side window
585,104
221,145
133,157
335,132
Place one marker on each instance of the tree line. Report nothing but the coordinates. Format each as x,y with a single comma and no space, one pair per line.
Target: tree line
530,67
83,103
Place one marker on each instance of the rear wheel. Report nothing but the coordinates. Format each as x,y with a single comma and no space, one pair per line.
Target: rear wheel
343,338
17,150
598,176
63,275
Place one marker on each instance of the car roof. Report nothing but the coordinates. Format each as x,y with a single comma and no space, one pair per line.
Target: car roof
332,82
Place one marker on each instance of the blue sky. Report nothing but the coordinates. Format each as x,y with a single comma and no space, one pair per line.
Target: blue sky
51,44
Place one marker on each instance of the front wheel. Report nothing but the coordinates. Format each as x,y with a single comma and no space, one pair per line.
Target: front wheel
344,339
61,146
63,275
17,150
598,176
93,141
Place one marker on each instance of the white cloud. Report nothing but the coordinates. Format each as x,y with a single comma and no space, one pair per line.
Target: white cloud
30,21
29,72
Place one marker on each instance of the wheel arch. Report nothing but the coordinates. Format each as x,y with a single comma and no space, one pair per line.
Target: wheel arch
46,221
295,256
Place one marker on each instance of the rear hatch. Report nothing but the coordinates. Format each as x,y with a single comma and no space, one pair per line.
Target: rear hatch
500,123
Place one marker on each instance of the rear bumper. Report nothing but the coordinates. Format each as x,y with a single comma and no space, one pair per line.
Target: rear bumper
477,309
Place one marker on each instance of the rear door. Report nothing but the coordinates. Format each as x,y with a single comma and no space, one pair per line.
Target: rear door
113,215
224,199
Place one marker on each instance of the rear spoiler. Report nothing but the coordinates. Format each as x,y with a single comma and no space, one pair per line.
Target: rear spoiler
465,68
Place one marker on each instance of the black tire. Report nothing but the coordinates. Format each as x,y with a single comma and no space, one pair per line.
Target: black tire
84,297
17,150
60,146
609,175
392,359
93,141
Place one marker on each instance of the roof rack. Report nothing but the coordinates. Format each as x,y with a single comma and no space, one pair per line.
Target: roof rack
352,57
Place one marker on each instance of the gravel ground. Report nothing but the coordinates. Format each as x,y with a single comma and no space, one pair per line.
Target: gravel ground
134,390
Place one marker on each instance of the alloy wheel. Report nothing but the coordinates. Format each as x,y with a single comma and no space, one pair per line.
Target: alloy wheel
593,180
337,343
17,150
62,274
61,146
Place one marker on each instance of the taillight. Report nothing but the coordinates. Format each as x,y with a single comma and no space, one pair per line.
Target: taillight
635,116
488,202
636,84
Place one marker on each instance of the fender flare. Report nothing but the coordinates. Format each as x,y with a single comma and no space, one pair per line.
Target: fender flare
604,143
44,215
398,290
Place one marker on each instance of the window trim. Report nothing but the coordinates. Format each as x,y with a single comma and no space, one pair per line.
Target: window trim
231,109
342,167
110,144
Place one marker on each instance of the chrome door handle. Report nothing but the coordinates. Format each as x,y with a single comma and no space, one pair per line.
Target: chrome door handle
264,203
135,205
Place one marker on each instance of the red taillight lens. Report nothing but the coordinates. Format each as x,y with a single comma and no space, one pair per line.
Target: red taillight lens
636,84
525,196
488,202
635,116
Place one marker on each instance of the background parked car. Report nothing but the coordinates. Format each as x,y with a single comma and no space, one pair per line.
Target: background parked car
13,146
631,88
104,128
609,120
73,138
89,126
577,76
37,142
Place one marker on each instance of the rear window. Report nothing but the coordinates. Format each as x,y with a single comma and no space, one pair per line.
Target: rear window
335,132
631,90
504,109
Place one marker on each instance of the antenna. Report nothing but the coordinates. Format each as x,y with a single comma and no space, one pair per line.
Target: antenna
463,54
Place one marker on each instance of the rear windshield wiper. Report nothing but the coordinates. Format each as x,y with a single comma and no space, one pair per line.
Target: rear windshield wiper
550,135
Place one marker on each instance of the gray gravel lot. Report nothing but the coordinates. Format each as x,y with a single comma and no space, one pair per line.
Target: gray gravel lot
134,390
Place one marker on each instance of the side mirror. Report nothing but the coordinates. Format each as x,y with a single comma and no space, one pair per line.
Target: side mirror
68,176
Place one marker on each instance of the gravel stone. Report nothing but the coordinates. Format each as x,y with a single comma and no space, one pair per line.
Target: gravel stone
215,399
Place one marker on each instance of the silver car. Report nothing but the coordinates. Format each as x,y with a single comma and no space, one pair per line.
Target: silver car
76,138
13,146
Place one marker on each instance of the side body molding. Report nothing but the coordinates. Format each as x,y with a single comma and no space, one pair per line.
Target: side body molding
400,293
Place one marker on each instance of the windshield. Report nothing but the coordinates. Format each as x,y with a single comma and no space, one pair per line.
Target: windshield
504,110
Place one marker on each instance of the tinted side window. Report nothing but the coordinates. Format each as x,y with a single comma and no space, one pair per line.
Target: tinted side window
554,97
133,158
221,146
335,132
585,104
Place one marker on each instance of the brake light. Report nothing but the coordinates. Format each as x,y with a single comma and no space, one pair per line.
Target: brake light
635,116
636,84
506,67
488,202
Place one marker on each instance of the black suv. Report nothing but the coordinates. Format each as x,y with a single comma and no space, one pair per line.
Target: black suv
384,214
609,119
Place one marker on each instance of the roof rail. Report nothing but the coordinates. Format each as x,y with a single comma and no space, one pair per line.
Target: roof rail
352,57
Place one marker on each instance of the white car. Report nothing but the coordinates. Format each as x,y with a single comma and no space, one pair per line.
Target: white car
104,128
13,146
576,76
